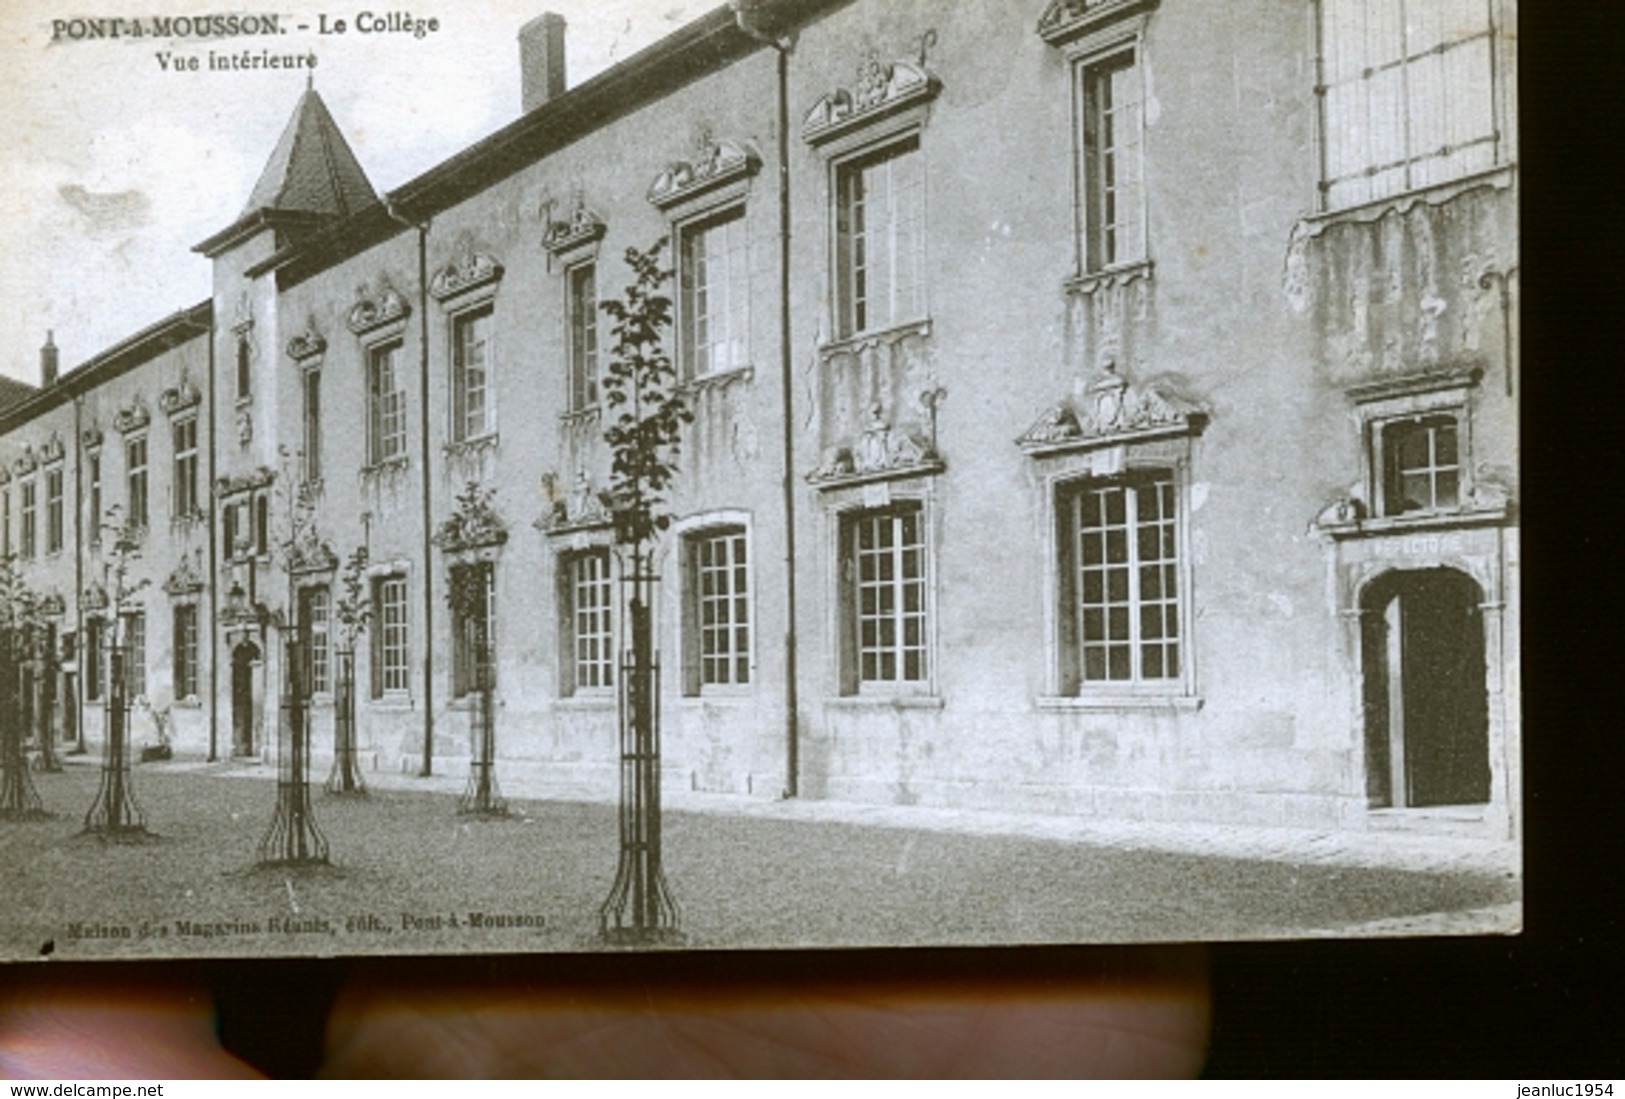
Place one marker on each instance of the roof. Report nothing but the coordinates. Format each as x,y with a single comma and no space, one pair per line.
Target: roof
312,170
13,391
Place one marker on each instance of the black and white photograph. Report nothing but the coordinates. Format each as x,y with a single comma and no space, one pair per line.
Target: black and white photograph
617,476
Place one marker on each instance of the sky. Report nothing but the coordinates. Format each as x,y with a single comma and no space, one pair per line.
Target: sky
113,167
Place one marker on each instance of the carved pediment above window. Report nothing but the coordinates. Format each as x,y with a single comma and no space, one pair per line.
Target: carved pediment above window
132,417
1067,19
187,579
310,552
580,227
473,525
470,270
307,344
244,482
375,310
1111,410
715,164
91,437
881,88
52,451
582,507
880,452
94,599
26,462
52,605
179,397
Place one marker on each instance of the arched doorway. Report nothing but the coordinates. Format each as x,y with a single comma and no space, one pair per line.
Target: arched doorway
244,660
1426,702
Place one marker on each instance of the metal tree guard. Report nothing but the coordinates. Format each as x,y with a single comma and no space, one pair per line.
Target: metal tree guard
114,814
47,707
18,798
345,779
293,839
640,908
481,797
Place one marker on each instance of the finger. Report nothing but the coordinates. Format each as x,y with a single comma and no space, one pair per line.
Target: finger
101,1024
1135,1013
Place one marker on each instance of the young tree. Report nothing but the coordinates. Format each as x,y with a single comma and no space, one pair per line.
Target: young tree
114,814
648,412
352,610
19,625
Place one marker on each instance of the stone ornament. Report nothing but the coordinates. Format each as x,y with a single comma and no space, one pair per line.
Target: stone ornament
179,397
474,524
461,275
714,164
1111,408
187,579
882,450
370,312
582,506
1065,19
307,344
580,227
132,417
881,88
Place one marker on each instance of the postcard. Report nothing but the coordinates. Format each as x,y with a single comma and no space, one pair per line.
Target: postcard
497,478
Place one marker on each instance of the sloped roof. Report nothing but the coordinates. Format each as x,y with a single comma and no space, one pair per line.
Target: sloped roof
12,391
312,169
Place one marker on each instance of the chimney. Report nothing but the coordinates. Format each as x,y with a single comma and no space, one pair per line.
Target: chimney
541,59
48,361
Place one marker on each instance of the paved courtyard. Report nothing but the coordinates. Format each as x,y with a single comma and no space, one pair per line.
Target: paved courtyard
409,874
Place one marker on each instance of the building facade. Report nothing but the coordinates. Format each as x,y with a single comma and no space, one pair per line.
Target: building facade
1100,407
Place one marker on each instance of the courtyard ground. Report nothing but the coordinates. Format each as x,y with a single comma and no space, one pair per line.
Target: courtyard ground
409,875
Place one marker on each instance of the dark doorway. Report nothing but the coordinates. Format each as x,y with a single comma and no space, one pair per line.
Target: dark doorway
1426,706
244,659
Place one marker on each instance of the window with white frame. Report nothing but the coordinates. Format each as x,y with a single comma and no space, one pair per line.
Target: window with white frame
473,628
54,519
1407,95
386,405
471,364
315,628
880,238
391,637
28,537
716,645
184,435
884,599
135,478
1110,187
714,289
581,309
184,644
1121,584
586,603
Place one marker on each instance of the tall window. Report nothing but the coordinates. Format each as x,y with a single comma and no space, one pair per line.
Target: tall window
312,434
135,653
1120,583
589,652
715,292
391,648
1407,95
92,659
582,306
245,372
185,641
1111,168
386,405
880,239
315,617
94,458
135,467
1422,464
53,510
717,648
28,540
474,630
5,522
883,571
185,437
471,375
